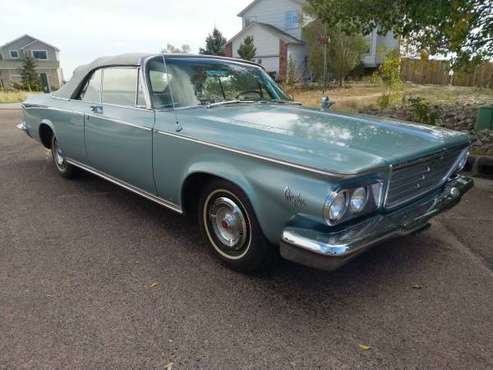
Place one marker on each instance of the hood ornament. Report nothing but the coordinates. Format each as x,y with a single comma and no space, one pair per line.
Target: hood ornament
326,103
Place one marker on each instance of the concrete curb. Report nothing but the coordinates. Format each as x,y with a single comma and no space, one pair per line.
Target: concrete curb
479,166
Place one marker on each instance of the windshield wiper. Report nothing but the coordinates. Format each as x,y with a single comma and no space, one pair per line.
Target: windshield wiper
228,102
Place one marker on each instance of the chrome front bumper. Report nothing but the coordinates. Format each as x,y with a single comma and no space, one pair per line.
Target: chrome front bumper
329,251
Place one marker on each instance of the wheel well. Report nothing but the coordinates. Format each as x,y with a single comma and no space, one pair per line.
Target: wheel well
45,135
192,189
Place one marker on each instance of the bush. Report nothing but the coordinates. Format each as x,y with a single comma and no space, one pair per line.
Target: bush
422,111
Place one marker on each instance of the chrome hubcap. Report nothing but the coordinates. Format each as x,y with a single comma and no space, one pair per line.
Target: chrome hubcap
228,223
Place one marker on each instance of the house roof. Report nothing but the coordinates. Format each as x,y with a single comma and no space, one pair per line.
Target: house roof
240,14
272,29
28,42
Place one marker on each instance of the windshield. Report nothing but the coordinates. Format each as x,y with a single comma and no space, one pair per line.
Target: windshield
185,82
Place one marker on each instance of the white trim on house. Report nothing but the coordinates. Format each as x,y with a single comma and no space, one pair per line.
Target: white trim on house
45,51
11,56
270,28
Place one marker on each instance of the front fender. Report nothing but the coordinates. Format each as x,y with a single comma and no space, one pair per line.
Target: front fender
276,194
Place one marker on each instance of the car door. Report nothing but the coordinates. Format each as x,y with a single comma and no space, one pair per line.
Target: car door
118,130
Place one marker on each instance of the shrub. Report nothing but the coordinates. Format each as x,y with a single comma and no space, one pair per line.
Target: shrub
422,111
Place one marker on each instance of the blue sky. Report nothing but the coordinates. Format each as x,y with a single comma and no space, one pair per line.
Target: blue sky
85,30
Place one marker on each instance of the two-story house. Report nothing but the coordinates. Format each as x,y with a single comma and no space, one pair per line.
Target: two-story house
276,26
45,56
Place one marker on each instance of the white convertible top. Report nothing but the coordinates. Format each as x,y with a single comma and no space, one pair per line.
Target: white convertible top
81,72
135,59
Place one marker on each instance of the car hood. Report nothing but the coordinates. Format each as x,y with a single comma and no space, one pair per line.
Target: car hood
341,143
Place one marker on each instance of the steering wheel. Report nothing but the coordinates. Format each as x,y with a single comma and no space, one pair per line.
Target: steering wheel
249,92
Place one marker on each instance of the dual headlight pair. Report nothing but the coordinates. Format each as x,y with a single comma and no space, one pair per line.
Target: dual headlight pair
346,204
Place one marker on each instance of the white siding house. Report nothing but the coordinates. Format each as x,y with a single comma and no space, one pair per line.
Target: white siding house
276,26
45,56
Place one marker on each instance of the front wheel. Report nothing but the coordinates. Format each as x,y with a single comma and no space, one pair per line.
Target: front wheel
230,226
63,168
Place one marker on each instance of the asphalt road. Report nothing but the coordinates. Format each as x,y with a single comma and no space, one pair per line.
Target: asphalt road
79,261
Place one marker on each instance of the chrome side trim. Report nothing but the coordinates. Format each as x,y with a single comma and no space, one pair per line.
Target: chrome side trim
118,121
28,107
442,151
127,186
269,159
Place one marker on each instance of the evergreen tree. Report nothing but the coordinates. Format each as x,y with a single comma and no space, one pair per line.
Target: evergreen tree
247,49
29,76
214,44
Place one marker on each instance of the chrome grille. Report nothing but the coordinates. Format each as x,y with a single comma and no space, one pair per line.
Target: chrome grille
410,180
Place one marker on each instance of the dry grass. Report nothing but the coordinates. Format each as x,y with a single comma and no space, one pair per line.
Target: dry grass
356,96
12,97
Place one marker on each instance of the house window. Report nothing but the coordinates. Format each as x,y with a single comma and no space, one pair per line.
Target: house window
14,54
40,54
292,19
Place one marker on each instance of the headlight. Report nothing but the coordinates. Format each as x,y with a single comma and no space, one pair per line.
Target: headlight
335,207
358,201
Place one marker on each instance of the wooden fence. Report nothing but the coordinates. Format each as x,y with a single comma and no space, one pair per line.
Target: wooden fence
437,72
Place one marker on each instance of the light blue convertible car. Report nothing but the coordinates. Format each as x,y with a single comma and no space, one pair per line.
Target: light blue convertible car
217,138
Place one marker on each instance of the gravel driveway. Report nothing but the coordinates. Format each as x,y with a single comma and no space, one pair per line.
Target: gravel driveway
92,276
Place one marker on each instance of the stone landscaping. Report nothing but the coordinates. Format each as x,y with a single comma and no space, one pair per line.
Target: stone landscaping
460,116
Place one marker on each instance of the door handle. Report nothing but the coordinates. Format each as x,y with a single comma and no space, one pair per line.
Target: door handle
97,109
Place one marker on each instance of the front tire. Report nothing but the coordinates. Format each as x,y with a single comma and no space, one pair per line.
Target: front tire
63,168
231,228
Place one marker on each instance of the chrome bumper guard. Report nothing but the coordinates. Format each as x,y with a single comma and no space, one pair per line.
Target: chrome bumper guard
329,251
24,127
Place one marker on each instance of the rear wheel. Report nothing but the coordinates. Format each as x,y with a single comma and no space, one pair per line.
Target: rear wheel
230,226
64,168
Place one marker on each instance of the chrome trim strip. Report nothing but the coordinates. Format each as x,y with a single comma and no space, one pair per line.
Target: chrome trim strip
127,186
30,106
442,151
105,118
143,76
389,176
126,106
269,159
